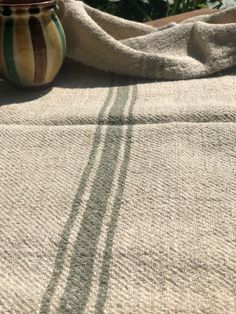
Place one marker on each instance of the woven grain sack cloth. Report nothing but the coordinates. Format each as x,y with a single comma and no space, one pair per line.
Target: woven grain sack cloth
118,194
196,48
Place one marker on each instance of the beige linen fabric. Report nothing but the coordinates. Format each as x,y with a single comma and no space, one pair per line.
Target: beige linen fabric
197,48
118,195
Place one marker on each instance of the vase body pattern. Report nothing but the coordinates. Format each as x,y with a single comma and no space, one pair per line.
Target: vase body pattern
32,43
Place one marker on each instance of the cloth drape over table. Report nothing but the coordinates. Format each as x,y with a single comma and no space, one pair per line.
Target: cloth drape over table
118,193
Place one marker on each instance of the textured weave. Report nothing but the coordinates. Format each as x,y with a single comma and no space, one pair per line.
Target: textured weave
195,48
118,195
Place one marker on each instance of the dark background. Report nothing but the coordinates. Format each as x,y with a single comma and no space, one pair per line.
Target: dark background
144,10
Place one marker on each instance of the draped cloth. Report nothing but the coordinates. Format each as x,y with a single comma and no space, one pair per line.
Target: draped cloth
118,193
194,48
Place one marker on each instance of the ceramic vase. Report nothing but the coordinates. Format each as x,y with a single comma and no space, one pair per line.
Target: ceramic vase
32,42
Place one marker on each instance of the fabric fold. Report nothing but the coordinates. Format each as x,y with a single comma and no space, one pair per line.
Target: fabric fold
118,194
198,47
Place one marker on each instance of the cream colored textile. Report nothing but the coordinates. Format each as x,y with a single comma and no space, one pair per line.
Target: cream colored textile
203,46
118,195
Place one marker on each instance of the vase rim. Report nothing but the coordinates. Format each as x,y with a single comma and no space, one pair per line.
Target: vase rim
26,3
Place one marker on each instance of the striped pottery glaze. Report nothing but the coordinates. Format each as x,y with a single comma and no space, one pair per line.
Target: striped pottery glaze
32,43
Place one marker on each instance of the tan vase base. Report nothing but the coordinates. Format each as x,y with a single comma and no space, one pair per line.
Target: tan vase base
34,88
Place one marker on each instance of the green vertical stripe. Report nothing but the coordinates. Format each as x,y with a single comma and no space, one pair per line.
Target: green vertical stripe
79,281
105,269
62,245
8,50
61,32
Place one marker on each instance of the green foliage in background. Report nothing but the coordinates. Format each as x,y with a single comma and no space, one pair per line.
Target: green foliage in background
146,10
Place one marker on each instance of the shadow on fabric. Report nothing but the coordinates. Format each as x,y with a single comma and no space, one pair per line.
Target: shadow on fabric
10,94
